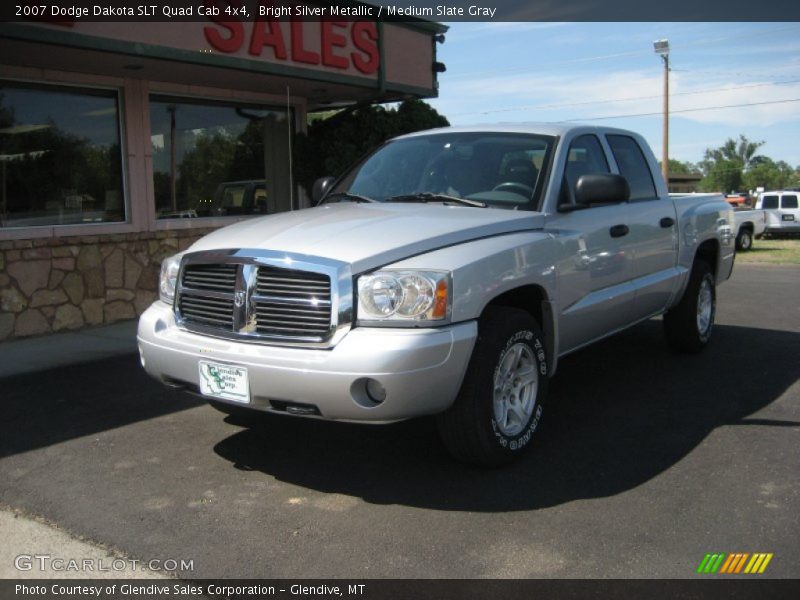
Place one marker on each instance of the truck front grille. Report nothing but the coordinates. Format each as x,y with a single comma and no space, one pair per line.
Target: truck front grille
289,302
256,302
217,278
207,294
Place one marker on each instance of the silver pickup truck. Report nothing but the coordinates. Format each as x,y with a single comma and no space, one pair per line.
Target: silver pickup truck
445,274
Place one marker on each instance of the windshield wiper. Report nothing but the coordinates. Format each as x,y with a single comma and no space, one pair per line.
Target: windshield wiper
425,197
349,196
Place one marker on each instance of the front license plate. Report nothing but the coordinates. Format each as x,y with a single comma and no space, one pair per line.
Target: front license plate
788,217
228,382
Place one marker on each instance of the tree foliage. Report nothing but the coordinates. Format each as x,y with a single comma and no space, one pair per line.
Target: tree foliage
724,167
678,167
741,151
333,144
770,175
723,175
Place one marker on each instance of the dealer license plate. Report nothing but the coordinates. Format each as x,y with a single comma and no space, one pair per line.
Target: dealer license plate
228,382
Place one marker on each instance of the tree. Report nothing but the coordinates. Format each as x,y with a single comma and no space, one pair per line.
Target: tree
769,174
722,176
681,168
724,167
333,144
742,151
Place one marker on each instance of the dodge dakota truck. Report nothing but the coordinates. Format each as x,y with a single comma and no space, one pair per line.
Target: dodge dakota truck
445,274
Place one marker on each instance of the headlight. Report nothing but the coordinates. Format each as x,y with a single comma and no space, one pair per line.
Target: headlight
410,296
169,278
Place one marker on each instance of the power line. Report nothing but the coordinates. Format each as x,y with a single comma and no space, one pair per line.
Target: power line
612,100
686,110
602,57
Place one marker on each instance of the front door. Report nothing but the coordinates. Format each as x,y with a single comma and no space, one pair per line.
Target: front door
593,258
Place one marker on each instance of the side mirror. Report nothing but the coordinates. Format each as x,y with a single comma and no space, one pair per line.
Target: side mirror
320,188
601,189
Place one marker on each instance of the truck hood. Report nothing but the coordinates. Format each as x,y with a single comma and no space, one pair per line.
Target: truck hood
369,235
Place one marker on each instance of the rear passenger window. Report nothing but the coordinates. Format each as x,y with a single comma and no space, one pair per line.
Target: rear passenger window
789,202
633,166
769,202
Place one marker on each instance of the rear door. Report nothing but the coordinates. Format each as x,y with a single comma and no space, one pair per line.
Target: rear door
653,229
790,211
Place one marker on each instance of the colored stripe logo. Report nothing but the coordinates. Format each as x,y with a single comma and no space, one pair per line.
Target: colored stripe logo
735,563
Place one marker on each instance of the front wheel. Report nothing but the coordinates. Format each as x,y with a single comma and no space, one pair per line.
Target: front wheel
688,325
499,406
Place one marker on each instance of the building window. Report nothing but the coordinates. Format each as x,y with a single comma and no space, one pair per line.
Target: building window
216,159
60,158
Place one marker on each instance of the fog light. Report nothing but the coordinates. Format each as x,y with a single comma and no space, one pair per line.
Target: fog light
375,391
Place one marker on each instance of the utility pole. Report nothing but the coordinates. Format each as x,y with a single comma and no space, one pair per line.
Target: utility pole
661,48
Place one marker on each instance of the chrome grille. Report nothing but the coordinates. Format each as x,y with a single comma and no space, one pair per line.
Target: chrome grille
290,302
257,298
195,303
218,278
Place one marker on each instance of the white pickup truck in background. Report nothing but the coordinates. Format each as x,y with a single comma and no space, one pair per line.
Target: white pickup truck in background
445,274
749,224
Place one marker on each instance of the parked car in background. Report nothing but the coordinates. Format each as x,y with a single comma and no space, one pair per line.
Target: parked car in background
782,210
749,224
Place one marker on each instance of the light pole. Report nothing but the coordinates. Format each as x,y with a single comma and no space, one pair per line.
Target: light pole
662,49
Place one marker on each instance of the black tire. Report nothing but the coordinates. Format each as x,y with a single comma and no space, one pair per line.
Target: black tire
744,240
685,330
508,339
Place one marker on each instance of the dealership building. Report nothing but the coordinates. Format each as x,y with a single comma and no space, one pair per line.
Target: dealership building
123,143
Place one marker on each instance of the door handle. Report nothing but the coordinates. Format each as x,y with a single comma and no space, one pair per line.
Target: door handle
618,231
667,222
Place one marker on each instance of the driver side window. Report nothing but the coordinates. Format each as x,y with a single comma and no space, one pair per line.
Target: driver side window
585,157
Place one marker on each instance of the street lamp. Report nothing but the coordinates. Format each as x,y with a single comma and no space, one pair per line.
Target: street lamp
661,48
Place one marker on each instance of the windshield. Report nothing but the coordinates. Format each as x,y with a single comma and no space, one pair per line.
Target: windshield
502,170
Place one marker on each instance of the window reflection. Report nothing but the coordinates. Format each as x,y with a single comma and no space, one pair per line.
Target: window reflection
213,159
60,160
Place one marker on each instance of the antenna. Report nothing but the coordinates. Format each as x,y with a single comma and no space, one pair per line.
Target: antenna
289,127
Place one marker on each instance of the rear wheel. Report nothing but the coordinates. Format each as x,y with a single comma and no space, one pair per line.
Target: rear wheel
499,406
744,241
688,325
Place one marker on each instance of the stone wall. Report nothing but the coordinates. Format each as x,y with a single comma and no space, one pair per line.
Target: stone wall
57,284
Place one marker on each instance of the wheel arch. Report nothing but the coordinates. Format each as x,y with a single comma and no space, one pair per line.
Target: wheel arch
534,300
709,252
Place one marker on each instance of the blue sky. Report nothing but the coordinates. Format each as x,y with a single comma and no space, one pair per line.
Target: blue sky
601,72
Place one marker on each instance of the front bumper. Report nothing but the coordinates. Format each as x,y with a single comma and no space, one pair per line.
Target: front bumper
420,369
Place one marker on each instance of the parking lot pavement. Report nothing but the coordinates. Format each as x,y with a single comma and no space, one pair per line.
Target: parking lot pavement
645,462
44,543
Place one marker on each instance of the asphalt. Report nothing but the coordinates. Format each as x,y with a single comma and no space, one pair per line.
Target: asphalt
645,461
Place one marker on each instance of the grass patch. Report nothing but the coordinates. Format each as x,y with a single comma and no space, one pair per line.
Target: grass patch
771,251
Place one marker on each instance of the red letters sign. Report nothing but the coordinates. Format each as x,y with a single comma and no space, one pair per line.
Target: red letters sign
342,43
